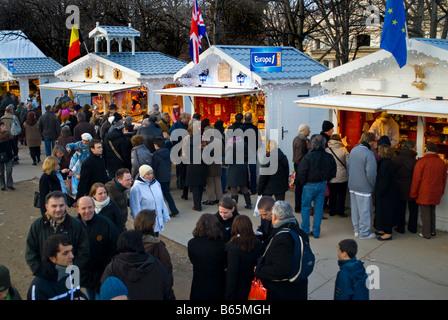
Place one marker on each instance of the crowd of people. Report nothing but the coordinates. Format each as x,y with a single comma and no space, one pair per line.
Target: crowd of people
105,166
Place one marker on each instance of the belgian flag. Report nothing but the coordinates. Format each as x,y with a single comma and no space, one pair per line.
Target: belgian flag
76,39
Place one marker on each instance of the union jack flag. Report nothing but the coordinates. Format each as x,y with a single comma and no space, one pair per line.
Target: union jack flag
197,31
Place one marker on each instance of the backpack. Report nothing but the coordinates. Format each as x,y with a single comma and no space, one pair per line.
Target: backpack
302,267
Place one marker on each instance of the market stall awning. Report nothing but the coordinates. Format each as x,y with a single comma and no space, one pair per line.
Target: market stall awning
421,107
360,103
89,87
207,92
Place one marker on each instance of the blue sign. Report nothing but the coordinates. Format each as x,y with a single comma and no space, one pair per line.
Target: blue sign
266,59
11,65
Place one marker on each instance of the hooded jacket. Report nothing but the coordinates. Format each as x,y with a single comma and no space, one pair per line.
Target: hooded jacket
351,281
143,275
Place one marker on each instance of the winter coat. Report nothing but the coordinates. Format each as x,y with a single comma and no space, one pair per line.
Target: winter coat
196,174
240,270
156,247
316,166
83,127
6,144
277,264
300,147
362,169
277,182
149,133
103,238
209,261
404,164
42,228
341,168
351,281
161,164
32,135
49,183
429,180
226,225
140,155
93,169
237,170
123,148
119,195
113,213
386,195
143,275
49,126
148,195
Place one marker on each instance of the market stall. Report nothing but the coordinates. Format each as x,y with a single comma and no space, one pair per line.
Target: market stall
23,67
126,79
414,96
223,84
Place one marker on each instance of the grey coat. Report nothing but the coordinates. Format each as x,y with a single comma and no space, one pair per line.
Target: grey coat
140,155
362,169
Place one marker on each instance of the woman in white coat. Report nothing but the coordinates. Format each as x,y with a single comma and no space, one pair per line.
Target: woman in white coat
146,193
338,185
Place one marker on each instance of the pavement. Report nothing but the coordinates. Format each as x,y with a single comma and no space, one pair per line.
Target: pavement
406,268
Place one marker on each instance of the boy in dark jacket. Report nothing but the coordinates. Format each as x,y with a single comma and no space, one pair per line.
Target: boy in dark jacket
162,170
351,281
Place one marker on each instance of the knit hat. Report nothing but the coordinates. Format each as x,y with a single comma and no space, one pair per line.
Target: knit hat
86,136
111,288
385,115
5,279
327,125
128,119
144,170
113,107
384,140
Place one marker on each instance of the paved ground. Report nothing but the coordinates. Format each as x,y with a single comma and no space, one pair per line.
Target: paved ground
406,268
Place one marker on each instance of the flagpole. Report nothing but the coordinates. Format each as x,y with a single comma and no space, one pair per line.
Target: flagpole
208,40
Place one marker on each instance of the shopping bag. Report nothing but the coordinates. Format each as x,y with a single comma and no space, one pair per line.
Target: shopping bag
257,291
256,212
292,180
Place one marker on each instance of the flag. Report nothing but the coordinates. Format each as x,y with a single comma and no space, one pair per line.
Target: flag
76,39
394,36
197,31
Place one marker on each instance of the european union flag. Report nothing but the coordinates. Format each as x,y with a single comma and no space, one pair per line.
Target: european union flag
394,36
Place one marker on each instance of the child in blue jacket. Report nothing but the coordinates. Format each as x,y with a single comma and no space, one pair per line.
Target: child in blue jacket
351,281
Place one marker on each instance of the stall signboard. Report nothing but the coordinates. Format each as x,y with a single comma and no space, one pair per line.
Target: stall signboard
266,59
11,65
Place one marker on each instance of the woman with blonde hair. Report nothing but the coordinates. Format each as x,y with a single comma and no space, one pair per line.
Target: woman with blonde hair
51,180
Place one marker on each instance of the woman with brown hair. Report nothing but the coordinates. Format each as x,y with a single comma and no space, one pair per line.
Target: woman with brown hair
105,206
227,211
208,257
386,192
32,137
145,222
243,251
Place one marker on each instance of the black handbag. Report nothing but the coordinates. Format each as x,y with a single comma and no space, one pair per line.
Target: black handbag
36,199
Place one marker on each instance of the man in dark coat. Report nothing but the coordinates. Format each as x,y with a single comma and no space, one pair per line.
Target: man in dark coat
315,170
93,169
299,149
277,264
161,165
275,184
118,190
49,129
103,236
253,147
82,126
117,155
56,220
196,171
149,131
